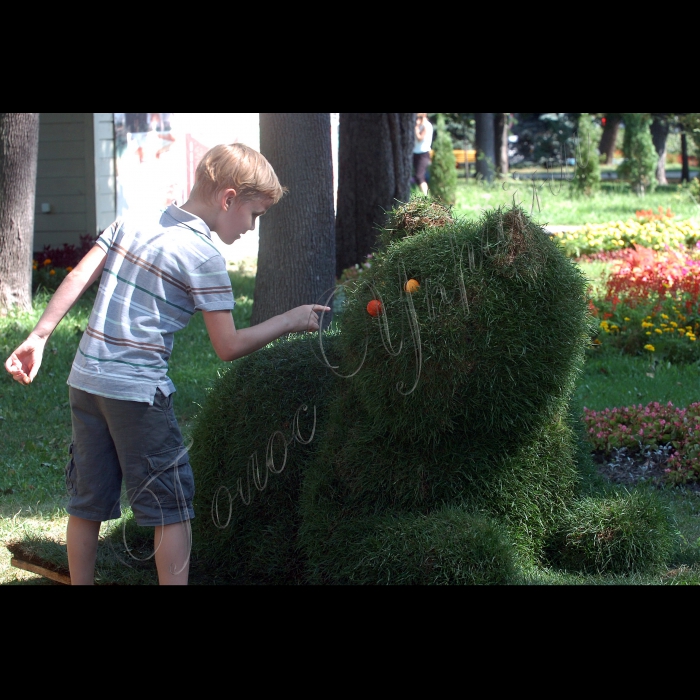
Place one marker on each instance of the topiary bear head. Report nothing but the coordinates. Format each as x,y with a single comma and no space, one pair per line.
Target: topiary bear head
482,325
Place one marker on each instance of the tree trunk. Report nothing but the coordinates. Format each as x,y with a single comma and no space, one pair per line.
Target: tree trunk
609,137
501,146
375,162
296,251
659,134
485,145
19,143
685,169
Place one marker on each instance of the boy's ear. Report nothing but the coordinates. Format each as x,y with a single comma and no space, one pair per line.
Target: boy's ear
226,198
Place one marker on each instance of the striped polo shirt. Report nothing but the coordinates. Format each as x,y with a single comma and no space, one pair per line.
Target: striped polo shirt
159,271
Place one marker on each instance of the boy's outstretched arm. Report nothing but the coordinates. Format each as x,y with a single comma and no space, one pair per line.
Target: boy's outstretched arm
23,364
230,344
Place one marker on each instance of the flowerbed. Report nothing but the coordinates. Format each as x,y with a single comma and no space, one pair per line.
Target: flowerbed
650,304
655,231
654,426
52,264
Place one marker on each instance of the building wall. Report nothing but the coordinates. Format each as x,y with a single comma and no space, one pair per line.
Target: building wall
105,174
75,188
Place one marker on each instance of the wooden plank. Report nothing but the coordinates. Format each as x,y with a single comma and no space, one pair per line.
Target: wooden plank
56,239
63,117
76,221
61,150
60,132
75,167
61,204
51,186
42,571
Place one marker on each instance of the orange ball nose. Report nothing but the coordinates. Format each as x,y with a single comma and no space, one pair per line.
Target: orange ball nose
411,286
374,308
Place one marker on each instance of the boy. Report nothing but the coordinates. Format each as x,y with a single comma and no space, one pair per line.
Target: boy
155,274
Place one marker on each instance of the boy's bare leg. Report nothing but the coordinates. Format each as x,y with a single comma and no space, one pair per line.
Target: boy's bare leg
81,542
172,543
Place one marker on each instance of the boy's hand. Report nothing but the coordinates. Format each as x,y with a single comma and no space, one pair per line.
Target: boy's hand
23,364
305,318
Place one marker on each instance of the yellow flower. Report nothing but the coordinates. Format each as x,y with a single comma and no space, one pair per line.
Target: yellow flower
649,347
658,330
648,332
627,318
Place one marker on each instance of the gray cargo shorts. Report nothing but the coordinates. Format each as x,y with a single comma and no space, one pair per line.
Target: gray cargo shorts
133,442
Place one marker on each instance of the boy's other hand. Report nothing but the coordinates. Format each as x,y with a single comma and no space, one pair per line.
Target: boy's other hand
305,318
23,364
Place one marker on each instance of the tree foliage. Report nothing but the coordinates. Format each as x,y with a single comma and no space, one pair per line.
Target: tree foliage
443,169
587,175
639,165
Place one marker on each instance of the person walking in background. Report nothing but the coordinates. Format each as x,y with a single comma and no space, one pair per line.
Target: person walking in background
421,150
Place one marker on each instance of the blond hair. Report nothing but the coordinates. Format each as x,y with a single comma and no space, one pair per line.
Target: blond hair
237,166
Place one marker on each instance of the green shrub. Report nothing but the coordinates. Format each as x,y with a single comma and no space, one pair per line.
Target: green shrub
444,450
248,515
694,189
587,175
417,550
443,169
639,165
623,533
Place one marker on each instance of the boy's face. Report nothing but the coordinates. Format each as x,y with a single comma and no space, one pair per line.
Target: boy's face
240,217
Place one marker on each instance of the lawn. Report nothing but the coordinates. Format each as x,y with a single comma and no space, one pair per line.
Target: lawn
35,420
549,202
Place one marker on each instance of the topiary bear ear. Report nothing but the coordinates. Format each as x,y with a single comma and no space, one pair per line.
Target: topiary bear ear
415,215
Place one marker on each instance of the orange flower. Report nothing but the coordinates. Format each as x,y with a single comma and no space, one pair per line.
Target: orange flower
69,268
52,272
47,262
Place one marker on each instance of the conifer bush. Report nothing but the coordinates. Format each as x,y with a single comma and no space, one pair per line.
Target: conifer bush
587,176
443,168
444,449
639,165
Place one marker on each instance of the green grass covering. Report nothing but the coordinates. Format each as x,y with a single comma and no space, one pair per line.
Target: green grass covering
551,202
451,406
623,533
249,456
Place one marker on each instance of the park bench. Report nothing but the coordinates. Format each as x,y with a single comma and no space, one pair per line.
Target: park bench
463,159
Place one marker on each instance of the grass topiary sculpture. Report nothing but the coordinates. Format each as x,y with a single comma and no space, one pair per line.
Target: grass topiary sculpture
427,442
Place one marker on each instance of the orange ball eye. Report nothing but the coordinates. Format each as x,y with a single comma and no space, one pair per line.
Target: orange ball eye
374,308
411,286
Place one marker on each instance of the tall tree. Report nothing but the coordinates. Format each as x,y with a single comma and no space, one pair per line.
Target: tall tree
501,126
19,143
611,127
296,253
374,173
659,133
485,145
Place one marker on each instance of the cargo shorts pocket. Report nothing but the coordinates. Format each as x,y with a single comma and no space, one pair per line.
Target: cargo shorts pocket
170,476
70,473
